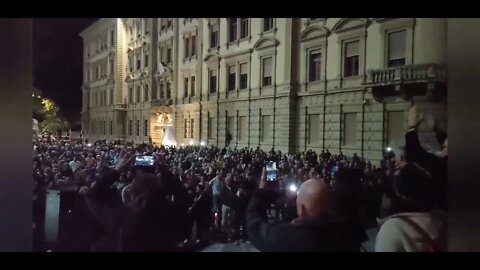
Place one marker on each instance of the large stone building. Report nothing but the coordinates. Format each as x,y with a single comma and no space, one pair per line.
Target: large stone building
342,84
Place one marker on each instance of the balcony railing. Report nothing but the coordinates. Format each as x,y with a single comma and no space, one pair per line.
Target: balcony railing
120,106
160,102
407,74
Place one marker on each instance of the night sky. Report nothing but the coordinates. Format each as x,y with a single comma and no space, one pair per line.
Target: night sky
57,62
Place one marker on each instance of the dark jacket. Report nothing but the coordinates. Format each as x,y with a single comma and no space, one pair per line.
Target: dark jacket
229,198
146,230
437,166
326,233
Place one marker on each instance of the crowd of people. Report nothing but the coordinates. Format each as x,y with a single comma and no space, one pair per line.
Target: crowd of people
319,202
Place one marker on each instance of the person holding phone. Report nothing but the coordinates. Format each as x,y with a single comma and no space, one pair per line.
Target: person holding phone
138,221
317,228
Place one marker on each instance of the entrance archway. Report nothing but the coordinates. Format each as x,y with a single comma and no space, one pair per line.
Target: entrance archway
161,121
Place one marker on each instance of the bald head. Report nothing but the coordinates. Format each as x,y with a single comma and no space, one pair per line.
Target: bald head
313,198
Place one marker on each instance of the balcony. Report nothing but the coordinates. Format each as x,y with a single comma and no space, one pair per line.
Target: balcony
120,107
160,102
407,81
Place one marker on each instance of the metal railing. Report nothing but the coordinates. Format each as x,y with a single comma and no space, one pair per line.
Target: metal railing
410,73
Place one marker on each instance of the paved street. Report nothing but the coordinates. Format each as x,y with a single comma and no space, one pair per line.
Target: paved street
369,245
230,247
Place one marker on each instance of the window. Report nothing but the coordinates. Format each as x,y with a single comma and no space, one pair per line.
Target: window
267,71
169,54
111,67
211,128
212,81
194,46
138,61
185,123
138,94
243,76
267,24
161,86
138,28
112,38
187,47
185,87
231,77
242,125
112,97
192,125
396,48
163,24
192,86
146,60
395,134
130,94
168,90
163,53
145,128
351,62
146,26
313,128
111,127
231,126
169,22
244,28
232,27
266,128
130,127
145,92
138,127
349,129
130,62
314,66
214,35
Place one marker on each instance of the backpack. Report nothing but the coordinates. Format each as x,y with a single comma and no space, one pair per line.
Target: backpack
432,245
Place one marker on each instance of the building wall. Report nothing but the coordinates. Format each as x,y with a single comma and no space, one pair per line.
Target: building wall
102,44
293,113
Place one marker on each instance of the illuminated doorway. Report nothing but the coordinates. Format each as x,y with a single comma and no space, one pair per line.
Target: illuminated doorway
162,126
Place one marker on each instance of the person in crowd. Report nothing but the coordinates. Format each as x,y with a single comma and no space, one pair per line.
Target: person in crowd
410,222
217,183
230,205
434,163
138,221
182,172
318,228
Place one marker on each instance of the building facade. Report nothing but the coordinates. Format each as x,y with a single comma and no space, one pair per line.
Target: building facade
291,84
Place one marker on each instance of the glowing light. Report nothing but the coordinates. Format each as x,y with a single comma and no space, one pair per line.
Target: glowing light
33,95
182,145
389,149
202,143
190,142
89,145
293,188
